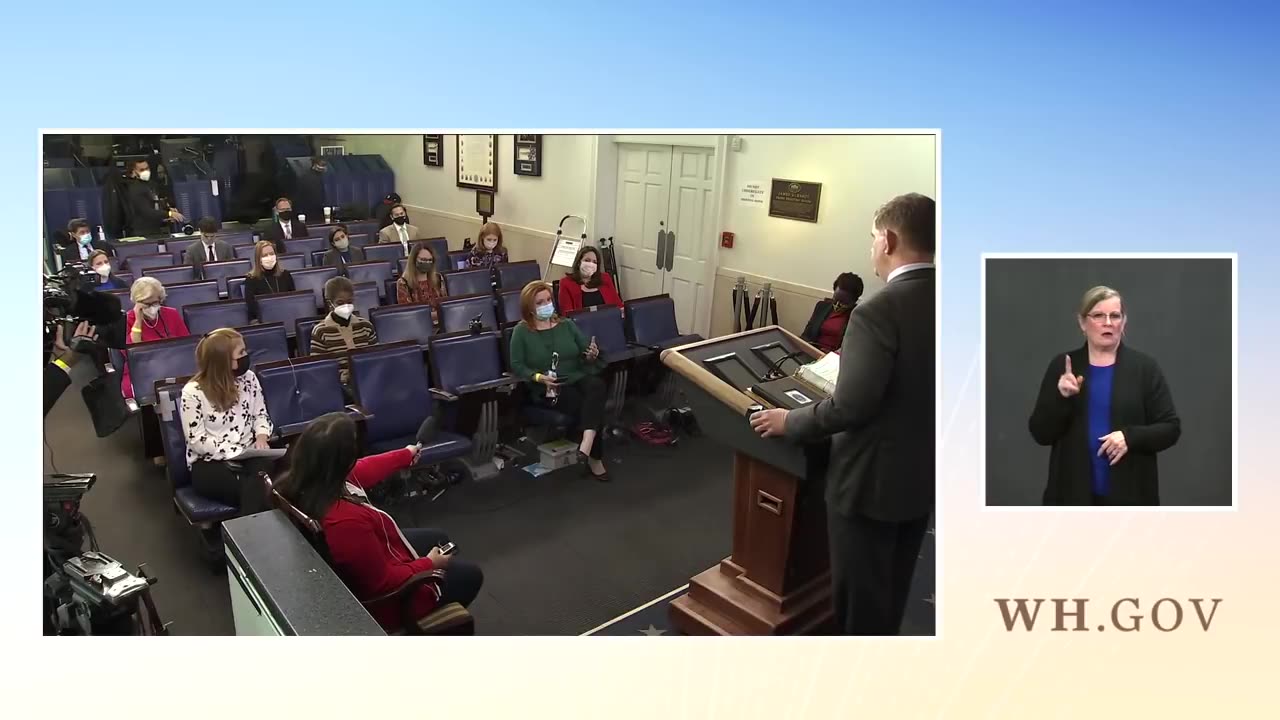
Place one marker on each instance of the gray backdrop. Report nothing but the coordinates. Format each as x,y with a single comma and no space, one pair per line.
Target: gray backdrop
1179,312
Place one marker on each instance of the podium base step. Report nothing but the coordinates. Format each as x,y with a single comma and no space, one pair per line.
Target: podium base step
720,603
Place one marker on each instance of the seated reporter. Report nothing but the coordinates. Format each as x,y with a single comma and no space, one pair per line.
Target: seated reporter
578,389
826,326
148,320
80,244
223,414
586,285
266,277
341,329
328,480
208,248
489,251
1106,411
340,253
100,263
421,282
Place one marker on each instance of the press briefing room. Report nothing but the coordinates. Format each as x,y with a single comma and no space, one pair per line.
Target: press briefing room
557,384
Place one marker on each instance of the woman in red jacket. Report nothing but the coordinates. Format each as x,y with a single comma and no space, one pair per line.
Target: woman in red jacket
587,285
371,554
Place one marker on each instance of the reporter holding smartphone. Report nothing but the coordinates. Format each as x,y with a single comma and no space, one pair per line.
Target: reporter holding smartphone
575,387
328,480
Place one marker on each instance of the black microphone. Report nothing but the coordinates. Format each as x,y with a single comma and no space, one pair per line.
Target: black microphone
426,431
775,370
477,324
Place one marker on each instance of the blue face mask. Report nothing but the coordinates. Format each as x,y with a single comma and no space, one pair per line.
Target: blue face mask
84,239
546,311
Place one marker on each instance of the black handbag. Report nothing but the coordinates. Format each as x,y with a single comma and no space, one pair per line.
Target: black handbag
106,404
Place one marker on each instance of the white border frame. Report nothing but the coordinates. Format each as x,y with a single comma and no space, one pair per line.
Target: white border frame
1235,376
722,137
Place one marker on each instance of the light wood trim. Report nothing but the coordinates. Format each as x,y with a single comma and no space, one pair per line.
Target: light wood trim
717,388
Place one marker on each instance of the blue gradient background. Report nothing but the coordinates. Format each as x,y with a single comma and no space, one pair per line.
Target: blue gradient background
1079,127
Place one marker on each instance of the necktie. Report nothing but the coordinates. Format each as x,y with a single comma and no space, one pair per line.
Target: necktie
288,231
213,256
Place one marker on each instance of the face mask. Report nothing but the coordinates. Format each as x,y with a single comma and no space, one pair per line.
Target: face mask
268,262
286,215
84,239
490,244
144,176
319,168
344,311
242,366
150,312
588,269
546,311
424,266
400,220
104,270
342,244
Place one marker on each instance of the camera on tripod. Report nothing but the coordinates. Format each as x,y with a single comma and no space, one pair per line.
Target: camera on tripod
88,592
69,299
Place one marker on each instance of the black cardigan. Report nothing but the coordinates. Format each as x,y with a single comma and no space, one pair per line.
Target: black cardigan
1141,408
255,286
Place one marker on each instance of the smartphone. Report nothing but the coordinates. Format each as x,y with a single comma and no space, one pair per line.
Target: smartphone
448,549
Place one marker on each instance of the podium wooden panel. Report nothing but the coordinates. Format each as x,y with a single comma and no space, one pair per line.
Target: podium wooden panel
777,579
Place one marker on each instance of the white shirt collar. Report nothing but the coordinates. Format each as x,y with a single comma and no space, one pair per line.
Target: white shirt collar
906,269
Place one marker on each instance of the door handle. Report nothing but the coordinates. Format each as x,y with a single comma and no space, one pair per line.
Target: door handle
662,249
671,249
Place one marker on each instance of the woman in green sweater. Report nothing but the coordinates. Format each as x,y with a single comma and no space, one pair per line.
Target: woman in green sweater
561,368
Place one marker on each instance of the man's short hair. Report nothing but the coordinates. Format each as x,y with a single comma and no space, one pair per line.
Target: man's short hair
911,217
280,200
335,286
208,226
76,225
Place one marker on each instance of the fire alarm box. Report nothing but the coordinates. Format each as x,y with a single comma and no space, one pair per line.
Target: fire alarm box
726,239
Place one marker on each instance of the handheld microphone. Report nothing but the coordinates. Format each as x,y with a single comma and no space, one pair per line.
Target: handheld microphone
426,431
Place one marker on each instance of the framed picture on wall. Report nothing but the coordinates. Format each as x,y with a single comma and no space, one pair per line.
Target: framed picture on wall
478,162
528,155
433,150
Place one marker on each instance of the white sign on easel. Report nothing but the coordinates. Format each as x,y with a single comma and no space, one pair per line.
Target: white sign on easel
565,251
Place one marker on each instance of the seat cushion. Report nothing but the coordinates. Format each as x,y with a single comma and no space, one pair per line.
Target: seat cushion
198,508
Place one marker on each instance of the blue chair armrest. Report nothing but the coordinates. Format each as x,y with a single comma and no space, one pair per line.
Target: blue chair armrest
506,381
443,395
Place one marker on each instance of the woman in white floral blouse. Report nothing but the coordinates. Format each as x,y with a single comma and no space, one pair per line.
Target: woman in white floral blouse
223,414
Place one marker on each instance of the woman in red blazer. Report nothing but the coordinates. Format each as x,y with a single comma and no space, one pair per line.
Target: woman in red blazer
586,285
371,554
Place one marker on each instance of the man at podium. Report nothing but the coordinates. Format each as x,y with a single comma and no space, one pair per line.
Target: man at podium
880,475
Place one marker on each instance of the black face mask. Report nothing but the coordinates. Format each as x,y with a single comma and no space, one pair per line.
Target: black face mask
424,267
286,215
242,366
400,220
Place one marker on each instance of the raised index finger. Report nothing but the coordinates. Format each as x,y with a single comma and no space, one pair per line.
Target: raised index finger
1068,364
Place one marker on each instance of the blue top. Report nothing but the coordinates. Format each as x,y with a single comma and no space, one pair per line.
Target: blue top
1100,424
111,283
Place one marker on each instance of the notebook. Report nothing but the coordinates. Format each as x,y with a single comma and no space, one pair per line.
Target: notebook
822,373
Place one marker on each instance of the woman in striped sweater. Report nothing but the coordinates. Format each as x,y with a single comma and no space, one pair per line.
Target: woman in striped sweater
341,329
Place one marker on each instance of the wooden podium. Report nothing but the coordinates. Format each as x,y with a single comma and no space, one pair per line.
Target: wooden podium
777,581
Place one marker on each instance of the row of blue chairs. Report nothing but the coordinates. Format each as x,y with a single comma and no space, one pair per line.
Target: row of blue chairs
394,390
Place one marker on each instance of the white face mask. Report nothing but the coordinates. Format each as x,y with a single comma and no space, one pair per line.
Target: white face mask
104,270
144,176
490,244
342,244
151,312
588,269
268,262
344,311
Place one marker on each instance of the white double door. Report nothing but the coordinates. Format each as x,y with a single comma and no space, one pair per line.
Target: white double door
667,189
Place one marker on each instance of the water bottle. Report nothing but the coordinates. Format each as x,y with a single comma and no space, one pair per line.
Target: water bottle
552,393
101,234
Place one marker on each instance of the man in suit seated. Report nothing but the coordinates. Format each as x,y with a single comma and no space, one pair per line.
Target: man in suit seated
399,230
208,248
880,474
79,244
286,226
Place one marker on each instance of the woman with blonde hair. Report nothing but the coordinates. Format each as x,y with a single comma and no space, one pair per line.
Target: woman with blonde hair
147,320
1106,411
266,277
224,414
561,367
489,251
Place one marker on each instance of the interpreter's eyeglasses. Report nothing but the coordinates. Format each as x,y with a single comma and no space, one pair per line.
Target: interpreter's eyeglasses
1101,317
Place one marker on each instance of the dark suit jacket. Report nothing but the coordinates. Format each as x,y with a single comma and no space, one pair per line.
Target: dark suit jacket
147,214
1141,408
71,251
275,233
280,282
56,381
881,415
333,258
196,253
